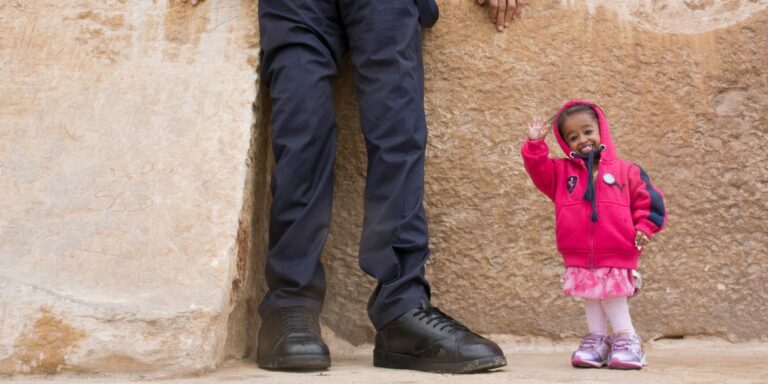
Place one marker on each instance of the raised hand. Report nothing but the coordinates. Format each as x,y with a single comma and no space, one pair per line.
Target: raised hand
537,130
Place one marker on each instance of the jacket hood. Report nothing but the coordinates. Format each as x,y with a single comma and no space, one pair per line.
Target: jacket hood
609,153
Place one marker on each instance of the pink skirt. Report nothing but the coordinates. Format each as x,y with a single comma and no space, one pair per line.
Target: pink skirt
598,283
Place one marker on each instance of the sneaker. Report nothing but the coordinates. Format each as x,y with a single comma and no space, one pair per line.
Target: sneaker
592,353
426,339
626,352
290,339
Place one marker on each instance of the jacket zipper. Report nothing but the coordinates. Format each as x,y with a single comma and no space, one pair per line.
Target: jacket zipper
591,244
591,223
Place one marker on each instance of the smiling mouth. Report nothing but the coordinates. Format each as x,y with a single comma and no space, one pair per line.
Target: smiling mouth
587,148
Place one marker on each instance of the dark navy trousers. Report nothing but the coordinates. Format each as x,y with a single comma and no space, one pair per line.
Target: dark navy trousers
303,42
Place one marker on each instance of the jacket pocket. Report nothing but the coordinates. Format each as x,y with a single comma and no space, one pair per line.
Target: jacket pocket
614,230
572,227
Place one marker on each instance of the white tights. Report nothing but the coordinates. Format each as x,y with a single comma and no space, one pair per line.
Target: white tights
614,309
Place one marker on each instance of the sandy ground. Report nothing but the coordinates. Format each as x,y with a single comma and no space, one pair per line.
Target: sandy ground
529,361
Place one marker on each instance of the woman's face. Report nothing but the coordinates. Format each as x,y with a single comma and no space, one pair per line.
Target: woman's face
581,132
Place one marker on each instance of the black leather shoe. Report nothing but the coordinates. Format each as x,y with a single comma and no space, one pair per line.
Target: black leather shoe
290,340
426,339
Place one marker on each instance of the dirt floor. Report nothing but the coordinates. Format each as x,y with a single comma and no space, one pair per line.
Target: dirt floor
690,360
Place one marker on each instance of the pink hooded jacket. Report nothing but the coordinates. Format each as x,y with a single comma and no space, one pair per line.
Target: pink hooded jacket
596,230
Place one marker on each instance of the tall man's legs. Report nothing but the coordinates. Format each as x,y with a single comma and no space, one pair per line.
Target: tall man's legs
385,43
302,44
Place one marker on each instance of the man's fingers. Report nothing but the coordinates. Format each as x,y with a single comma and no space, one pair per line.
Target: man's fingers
493,10
511,10
500,15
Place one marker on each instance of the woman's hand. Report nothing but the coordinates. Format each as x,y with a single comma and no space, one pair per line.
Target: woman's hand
537,130
641,239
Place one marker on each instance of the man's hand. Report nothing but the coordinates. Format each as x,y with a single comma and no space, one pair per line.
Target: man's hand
193,2
502,12
537,130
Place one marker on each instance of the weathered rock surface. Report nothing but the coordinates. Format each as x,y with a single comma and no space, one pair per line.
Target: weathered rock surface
680,16
686,96
132,233
123,140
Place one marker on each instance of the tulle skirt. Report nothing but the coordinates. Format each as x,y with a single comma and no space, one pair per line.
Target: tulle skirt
598,283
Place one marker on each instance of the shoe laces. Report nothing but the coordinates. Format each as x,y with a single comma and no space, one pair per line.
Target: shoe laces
293,319
623,343
590,341
435,317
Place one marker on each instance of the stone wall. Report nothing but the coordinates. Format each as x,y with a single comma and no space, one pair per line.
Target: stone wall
134,167
685,87
123,142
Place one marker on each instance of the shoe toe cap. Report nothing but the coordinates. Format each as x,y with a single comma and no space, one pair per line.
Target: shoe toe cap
480,349
626,358
622,356
303,346
586,355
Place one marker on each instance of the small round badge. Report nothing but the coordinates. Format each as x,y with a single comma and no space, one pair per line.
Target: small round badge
609,179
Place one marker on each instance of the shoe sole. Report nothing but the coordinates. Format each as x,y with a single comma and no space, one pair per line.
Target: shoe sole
398,361
579,363
295,363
